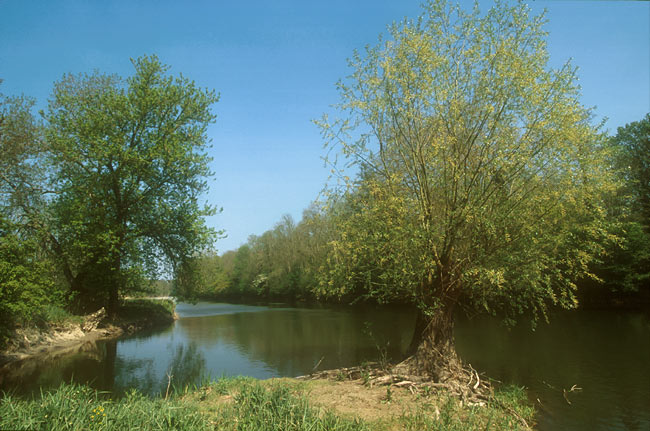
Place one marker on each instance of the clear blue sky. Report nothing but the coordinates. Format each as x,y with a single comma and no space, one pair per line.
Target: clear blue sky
275,64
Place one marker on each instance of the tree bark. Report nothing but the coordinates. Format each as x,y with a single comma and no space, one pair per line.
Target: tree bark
113,300
114,288
432,351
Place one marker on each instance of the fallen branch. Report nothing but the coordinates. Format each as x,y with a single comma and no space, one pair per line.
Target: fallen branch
316,366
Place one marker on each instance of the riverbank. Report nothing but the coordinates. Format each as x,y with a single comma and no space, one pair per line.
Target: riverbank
274,404
74,332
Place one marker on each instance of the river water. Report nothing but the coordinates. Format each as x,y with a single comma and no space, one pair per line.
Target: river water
607,354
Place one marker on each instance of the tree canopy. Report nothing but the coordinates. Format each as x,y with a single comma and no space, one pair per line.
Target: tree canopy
129,165
110,184
480,176
633,144
626,268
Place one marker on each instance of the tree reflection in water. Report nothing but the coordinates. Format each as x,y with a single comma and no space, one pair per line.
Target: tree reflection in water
186,366
291,341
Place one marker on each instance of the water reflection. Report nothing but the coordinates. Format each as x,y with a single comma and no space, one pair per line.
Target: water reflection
212,340
289,342
604,353
90,363
184,365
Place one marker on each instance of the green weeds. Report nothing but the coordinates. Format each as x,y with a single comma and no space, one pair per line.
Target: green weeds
240,404
73,407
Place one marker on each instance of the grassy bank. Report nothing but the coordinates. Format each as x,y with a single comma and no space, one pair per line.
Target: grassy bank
276,404
136,314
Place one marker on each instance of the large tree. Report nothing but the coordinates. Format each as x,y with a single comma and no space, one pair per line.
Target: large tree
478,174
129,165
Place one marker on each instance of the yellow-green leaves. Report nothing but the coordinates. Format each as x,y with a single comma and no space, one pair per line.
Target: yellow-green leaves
481,178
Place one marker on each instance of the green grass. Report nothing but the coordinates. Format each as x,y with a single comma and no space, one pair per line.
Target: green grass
255,407
54,315
278,407
154,308
73,407
237,404
450,415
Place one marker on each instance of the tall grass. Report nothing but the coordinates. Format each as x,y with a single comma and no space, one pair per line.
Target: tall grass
73,407
278,408
239,404
505,412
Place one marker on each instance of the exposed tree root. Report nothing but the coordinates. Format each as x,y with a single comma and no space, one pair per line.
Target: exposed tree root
462,381
466,385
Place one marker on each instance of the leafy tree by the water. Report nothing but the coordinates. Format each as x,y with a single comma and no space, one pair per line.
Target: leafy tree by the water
480,175
129,164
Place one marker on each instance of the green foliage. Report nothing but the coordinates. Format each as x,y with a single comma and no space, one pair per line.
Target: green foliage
201,276
105,194
625,270
22,150
254,408
129,165
154,309
480,179
26,288
633,145
74,407
27,283
283,263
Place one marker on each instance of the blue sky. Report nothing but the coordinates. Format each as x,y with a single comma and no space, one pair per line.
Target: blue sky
275,64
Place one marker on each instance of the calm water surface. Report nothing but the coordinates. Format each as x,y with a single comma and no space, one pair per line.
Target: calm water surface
607,354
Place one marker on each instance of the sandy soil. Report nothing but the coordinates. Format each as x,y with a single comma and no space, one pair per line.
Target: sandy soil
351,399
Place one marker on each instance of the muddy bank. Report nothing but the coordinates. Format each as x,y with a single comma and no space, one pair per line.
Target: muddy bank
27,343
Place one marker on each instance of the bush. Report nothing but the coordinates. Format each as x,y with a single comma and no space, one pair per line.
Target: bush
26,281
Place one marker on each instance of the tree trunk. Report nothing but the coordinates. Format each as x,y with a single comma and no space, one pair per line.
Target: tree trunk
432,351
114,288
113,300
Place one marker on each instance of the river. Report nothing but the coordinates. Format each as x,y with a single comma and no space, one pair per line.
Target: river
606,354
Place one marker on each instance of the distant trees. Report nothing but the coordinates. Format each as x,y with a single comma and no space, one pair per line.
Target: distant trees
625,270
110,184
633,158
282,264
481,181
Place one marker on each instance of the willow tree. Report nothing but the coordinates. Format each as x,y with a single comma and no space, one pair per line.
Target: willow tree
479,174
